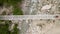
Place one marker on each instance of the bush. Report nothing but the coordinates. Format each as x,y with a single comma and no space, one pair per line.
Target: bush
4,28
17,11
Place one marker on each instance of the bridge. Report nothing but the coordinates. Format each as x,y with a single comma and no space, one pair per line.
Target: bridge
25,17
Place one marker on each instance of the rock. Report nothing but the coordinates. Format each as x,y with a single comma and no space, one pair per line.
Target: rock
46,7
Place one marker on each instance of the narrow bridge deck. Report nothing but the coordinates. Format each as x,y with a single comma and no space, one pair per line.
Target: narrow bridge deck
21,17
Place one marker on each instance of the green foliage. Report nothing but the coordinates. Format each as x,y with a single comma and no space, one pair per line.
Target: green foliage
17,11
16,30
4,28
1,20
1,1
10,1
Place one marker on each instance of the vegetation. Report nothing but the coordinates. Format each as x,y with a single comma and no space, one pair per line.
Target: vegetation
17,11
10,1
4,28
16,30
14,3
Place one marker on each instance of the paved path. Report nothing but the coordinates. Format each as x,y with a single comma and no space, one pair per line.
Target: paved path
25,17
